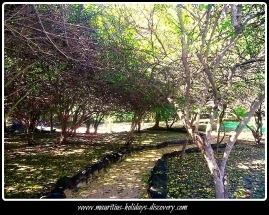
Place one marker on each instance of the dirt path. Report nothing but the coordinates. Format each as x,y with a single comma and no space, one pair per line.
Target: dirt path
125,180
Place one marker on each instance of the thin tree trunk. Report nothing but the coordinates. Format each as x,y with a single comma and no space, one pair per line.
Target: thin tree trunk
27,133
157,120
64,132
130,135
166,123
174,120
184,146
139,126
75,132
219,124
88,125
238,130
257,134
95,127
258,122
51,122
136,118
97,121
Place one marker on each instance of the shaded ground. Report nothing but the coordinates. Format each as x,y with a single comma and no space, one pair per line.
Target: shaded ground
246,169
32,170
125,180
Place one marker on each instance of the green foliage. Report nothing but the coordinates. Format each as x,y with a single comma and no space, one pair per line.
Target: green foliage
167,112
240,111
123,117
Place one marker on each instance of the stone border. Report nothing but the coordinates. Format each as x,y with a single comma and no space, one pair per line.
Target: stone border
157,183
82,178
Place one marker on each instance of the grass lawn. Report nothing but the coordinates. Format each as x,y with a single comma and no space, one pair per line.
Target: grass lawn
30,171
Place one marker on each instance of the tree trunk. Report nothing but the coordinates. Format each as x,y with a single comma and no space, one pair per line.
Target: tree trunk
139,126
64,132
27,134
136,118
219,186
130,135
88,125
166,123
238,130
51,122
204,143
219,124
184,146
75,132
157,120
95,129
174,120
98,120
258,122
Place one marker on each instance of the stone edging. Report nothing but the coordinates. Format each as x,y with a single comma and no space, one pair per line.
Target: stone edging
157,183
84,176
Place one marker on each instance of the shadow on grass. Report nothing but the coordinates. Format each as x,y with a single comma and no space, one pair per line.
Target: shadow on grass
31,170
190,178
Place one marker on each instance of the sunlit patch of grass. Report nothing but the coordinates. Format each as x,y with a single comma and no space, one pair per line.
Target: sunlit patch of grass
190,178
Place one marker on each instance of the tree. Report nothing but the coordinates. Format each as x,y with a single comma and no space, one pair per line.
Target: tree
209,33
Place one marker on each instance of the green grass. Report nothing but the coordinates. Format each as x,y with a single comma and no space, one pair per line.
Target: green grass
30,171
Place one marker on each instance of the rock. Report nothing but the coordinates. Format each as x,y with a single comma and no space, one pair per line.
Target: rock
64,183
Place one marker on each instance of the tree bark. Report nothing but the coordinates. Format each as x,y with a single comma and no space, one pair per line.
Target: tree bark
130,135
219,124
63,136
95,127
97,121
28,137
88,125
184,146
238,130
139,126
157,120
51,122
258,122
136,118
